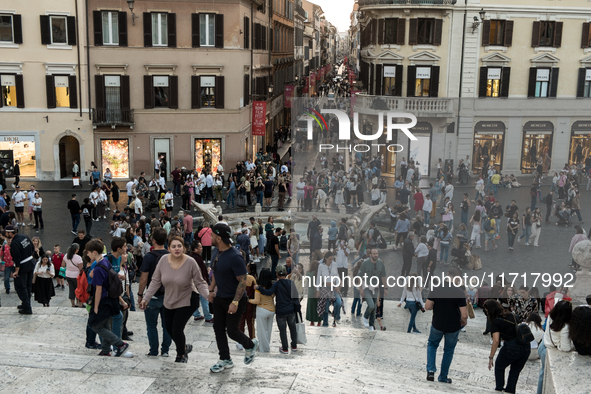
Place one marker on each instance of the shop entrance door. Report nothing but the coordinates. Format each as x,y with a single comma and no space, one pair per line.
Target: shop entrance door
69,150
162,151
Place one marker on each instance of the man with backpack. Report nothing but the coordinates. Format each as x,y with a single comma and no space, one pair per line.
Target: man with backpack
489,228
105,292
155,306
117,258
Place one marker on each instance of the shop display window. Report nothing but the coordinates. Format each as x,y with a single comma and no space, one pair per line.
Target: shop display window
115,156
208,153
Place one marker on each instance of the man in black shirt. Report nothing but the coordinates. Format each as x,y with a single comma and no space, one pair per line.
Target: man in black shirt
448,303
404,193
155,306
549,200
82,239
75,211
17,174
21,251
273,249
313,227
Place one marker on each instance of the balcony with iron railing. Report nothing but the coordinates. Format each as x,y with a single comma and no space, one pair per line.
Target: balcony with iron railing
363,3
419,106
112,117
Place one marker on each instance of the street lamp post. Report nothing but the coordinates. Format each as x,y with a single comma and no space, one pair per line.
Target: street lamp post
130,4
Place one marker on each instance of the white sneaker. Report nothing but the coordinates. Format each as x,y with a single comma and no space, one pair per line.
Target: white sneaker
104,217
518,240
365,321
239,346
127,355
372,329
463,329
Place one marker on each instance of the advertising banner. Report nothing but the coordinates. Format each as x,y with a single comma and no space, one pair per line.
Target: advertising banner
259,111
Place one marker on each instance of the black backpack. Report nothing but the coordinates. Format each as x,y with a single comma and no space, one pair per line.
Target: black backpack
523,334
283,242
114,287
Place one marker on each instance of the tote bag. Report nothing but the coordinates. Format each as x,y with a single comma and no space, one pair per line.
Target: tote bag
301,329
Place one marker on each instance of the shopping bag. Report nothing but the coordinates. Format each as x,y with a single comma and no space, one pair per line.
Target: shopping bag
301,329
76,181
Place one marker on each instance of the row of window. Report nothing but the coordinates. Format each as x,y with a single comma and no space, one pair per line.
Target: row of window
283,38
55,29
428,31
423,81
61,91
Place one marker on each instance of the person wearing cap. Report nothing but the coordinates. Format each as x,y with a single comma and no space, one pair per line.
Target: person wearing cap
19,205
229,302
21,251
287,304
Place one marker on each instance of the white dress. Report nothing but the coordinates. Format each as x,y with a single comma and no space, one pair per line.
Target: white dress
475,236
338,198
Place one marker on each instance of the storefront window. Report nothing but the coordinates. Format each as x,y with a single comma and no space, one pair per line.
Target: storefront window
488,148
8,90
535,146
21,149
580,148
208,153
115,156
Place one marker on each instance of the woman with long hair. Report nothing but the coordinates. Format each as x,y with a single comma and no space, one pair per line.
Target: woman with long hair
526,225
311,310
514,354
536,225
475,222
265,310
580,330
115,192
179,274
73,263
557,335
512,229
43,277
534,321
413,299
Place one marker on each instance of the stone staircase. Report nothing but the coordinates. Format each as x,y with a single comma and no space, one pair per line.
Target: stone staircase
45,353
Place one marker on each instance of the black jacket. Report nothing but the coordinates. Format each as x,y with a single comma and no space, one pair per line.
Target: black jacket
21,248
408,249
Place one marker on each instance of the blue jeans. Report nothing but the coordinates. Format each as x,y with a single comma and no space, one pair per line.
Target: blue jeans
117,325
274,262
495,188
155,309
336,310
230,201
356,302
464,218
189,238
427,216
578,212
75,222
498,226
534,200
260,198
205,306
7,272
451,339
370,311
526,234
412,308
444,251
542,354
511,238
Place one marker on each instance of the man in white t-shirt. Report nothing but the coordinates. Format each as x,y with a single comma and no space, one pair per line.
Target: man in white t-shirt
169,201
221,170
300,195
31,197
130,186
157,167
19,205
139,208
209,185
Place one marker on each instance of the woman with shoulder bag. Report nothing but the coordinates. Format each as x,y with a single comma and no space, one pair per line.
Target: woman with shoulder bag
526,225
536,226
503,327
413,299
73,264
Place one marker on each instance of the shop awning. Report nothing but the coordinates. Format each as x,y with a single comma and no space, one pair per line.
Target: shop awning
489,127
538,127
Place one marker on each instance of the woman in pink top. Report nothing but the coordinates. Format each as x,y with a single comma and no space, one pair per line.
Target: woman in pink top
179,274
73,263
205,235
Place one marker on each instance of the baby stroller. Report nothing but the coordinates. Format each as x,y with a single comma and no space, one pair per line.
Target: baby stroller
563,215
153,201
461,253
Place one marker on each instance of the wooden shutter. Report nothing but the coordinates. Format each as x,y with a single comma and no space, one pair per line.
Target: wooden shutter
580,83
219,31
50,91
585,37
195,39
246,92
400,34
97,21
71,30
379,79
17,27
246,32
264,38
381,31
508,33
173,84
99,88
411,80
553,82
413,31
374,31
535,35
485,33
73,91
122,19
125,92
148,92
398,81
531,89
434,83
219,92
557,34
438,33
195,91
20,91
147,29
505,79
483,82
171,22
45,30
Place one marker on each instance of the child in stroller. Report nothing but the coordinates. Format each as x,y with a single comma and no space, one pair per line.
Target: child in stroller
563,214
461,251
